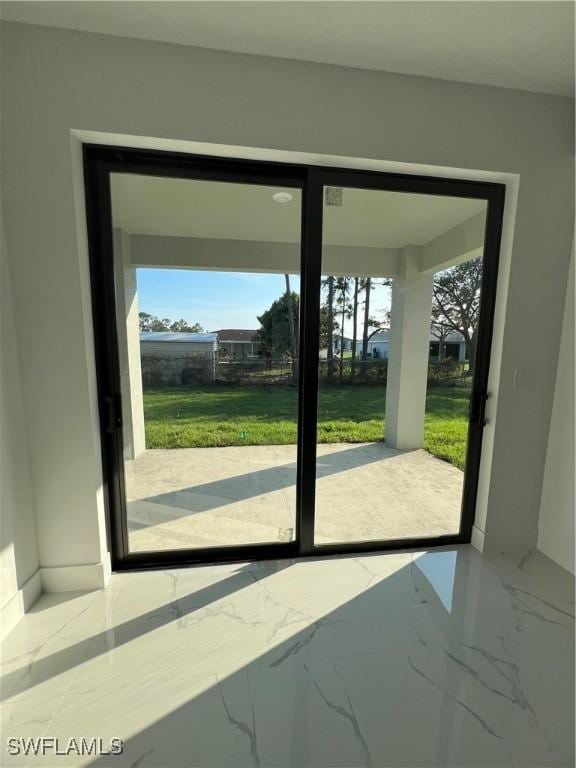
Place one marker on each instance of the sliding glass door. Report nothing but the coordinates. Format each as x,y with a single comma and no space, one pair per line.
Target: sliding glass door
207,279
291,360
400,300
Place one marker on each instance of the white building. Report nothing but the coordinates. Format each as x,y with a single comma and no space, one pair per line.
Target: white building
237,343
170,359
454,346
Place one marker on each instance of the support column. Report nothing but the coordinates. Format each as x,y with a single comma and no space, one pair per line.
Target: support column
129,347
408,355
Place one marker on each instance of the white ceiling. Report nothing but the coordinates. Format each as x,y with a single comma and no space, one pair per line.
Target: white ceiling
181,207
514,44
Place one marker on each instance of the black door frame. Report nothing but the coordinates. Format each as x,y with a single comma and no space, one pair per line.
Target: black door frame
101,161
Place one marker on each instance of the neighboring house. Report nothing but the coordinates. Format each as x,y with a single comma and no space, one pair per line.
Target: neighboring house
378,345
454,346
171,359
237,343
343,344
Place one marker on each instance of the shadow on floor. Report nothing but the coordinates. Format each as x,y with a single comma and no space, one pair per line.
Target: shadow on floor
392,674
110,639
229,490
353,688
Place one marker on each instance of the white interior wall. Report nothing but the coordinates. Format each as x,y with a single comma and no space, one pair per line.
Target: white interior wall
19,574
128,330
57,81
557,506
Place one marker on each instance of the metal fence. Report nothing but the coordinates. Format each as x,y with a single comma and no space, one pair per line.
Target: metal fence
255,371
186,370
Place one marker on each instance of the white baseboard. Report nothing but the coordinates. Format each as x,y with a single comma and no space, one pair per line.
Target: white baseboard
71,578
478,537
20,602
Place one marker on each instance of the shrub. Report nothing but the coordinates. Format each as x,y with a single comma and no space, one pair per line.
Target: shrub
447,372
354,372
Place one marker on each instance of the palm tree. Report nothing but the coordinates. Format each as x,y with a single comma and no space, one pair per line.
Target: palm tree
367,288
292,330
345,311
354,325
329,283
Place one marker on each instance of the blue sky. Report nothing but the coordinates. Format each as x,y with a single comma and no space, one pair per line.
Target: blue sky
217,299
213,299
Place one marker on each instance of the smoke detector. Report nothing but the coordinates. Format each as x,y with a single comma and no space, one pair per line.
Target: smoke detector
282,197
333,196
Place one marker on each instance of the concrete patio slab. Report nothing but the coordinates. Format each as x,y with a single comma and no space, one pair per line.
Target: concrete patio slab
206,497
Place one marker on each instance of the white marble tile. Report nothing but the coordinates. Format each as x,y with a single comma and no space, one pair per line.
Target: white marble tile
442,658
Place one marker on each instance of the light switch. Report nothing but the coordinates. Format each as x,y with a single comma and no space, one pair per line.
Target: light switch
520,378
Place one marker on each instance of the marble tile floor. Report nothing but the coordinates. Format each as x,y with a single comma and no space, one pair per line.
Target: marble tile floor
205,497
438,658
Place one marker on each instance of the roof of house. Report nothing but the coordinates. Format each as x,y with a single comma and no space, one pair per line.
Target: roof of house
181,337
454,337
236,334
380,336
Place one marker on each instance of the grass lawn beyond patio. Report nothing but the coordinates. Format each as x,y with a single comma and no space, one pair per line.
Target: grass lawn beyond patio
214,416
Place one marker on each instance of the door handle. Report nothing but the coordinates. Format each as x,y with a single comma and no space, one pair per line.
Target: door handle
112,419
478,409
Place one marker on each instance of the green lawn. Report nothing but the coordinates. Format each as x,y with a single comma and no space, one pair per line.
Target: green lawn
199,417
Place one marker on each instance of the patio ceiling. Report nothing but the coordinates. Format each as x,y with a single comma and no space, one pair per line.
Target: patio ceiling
211,210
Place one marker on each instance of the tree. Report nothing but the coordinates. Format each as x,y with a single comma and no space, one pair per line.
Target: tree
153,323
145,320
327,329
328,308
181,326
456,302
292,330
371,324
276,332
345,310
440,331
355,324
367,286
337,301
150,323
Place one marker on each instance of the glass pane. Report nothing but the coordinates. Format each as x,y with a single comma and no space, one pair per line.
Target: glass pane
401,278
207,290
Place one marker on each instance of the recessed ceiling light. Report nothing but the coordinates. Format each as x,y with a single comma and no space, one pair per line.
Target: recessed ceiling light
282,197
